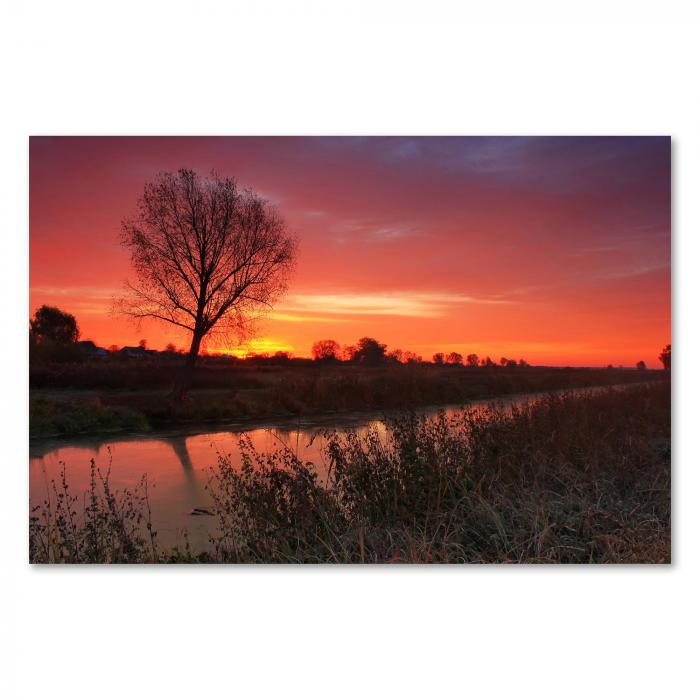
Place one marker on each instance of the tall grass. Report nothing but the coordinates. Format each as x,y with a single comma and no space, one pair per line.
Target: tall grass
561,480
102,526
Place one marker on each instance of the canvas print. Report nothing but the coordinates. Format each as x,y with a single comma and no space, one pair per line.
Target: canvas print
350,350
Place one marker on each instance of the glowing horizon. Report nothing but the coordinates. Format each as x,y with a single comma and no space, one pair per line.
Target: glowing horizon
556,250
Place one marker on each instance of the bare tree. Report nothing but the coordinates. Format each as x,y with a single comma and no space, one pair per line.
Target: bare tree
326,351
206,255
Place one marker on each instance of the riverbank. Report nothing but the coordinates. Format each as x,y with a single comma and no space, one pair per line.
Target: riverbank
566,479
222,396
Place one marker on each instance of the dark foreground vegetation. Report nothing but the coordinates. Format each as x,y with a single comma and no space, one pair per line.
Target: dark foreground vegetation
112,396
563,480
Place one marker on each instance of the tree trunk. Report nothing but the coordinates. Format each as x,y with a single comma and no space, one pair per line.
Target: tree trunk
184,381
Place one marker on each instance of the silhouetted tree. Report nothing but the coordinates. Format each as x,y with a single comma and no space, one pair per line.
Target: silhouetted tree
665,357
395,355
523,363
473,360
325,351
487,362
369,351
206,255
142,343
439,358
348,353
410,358
641,365
454,358
53,325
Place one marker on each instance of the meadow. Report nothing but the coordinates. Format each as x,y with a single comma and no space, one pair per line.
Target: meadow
103,397
564,479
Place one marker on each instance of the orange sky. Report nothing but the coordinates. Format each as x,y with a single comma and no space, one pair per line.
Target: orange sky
552,249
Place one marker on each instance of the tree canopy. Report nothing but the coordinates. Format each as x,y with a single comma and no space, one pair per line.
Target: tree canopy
326,351
206,255
369,351
52,324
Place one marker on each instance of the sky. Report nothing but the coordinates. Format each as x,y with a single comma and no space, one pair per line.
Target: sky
552,249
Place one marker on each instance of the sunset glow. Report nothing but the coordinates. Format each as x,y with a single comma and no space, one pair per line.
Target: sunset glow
552,249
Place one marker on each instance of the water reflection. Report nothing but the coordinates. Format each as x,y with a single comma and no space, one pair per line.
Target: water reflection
178,464
178,468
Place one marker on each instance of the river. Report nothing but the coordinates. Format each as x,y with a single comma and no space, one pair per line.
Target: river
177,463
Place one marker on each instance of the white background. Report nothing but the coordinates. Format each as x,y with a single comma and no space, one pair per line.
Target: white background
347,68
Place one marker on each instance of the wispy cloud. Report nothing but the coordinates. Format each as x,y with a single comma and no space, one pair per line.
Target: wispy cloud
622,243
636,271
85,299
404,303
373,229
303,308
86,291
303,318
391,232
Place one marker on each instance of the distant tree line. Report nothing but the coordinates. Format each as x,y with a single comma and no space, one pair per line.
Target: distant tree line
369,351
54,336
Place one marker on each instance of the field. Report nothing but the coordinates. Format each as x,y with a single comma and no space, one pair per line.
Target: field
564,480
107,397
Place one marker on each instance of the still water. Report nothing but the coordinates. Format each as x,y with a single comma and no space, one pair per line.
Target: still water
178,464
